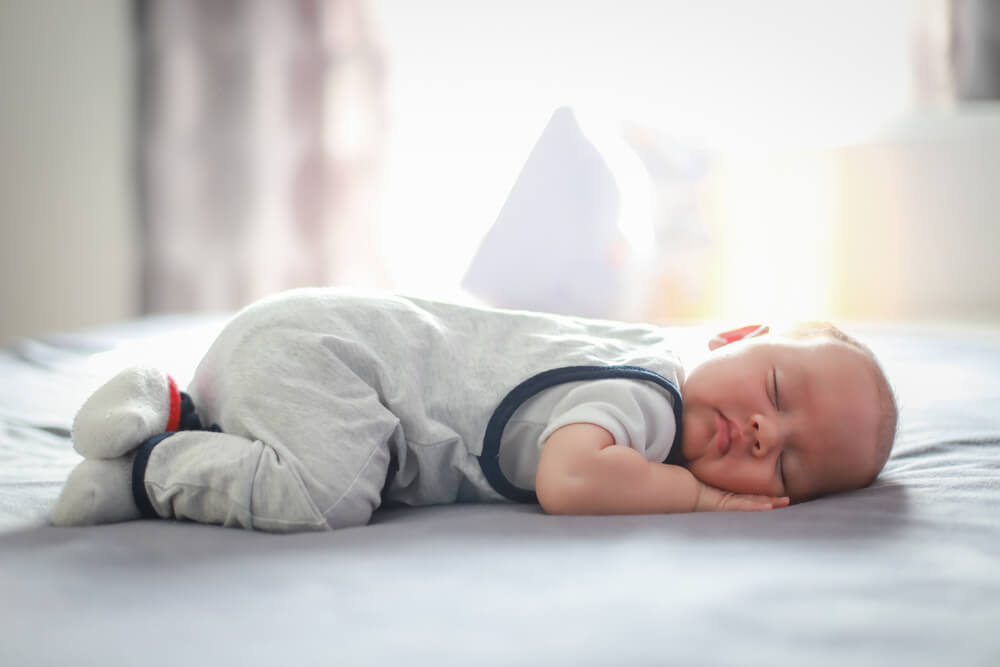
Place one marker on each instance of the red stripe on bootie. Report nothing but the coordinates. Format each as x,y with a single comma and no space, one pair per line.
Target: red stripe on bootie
174,416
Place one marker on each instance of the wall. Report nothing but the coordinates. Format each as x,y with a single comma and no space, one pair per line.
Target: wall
67,243
900,226
925,203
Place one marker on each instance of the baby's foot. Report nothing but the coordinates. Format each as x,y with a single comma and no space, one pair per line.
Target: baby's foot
97,491
129,408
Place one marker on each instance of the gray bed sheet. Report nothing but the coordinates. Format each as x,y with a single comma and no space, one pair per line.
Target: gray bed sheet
904,572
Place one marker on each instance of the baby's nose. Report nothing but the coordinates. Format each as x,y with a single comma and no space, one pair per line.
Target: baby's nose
760,435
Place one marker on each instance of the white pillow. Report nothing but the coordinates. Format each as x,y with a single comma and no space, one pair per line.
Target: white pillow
575,234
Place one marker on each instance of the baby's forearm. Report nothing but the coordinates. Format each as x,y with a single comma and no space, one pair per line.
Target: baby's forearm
582,471
623,482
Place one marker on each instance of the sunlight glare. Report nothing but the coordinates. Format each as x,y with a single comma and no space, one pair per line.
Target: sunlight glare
774,261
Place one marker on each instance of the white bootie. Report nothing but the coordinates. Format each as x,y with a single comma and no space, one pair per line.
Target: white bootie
97,491
131,407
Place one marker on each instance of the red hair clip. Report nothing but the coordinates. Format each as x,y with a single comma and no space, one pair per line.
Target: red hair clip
733,335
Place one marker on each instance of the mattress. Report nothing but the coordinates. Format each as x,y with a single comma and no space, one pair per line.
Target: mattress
906,571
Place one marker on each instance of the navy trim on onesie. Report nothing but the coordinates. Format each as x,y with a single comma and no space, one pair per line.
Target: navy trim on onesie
139,475
489,460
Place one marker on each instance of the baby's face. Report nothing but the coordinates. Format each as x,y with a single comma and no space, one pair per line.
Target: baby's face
782,417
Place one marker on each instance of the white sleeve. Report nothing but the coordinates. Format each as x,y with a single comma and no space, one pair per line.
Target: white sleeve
637,413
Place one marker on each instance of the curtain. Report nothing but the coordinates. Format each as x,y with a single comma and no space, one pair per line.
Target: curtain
976,49
259,137
957,51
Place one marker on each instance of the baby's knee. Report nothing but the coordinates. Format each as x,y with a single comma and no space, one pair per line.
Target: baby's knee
286,497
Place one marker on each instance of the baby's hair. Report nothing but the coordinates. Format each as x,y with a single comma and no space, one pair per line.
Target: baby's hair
885,434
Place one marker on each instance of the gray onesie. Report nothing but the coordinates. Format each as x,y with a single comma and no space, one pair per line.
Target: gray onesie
332,402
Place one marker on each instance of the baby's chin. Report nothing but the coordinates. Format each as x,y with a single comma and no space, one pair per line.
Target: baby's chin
700,468
692,447
702,473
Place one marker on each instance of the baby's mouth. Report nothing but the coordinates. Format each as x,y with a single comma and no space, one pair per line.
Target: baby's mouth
722,432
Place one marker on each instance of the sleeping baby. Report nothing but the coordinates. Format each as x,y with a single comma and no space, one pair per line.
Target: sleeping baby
315,407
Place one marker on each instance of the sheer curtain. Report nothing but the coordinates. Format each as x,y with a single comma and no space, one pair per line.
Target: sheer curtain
957,51
259,134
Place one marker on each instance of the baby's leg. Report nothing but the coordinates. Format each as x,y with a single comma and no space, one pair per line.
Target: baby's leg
230,480
221,478
131,407
204,476
305,445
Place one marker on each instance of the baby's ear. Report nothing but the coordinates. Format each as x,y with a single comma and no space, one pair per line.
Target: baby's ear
733,335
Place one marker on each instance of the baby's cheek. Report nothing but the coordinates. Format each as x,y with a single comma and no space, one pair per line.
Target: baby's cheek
728,475
696,431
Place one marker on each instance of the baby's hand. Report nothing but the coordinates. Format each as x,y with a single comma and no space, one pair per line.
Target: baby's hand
711,499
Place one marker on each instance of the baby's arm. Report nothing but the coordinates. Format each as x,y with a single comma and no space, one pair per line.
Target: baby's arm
583,471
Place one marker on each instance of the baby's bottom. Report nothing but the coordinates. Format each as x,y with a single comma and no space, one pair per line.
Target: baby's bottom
295,456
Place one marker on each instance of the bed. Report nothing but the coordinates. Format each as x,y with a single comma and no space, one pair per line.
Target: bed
904,572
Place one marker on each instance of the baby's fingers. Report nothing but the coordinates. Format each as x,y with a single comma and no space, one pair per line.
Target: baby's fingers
740,502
